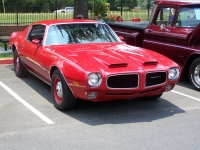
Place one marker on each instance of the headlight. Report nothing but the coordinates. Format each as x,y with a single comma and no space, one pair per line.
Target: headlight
94,79
173,73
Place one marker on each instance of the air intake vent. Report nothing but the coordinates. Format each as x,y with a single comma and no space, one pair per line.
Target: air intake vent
123,81
155,78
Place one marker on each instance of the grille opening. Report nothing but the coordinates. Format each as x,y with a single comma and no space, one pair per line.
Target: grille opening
123,81
155,78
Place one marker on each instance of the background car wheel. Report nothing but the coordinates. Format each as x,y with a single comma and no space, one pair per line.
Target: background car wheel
194,74
19,68
62,95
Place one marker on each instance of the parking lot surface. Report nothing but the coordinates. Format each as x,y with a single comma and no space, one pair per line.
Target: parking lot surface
30,121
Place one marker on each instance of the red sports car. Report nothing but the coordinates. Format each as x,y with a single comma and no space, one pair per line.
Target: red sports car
85,59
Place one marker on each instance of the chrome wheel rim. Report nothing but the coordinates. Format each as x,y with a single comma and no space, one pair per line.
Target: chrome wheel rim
197,75
58,90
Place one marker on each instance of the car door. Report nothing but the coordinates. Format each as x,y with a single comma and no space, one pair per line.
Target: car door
160,35
32,52
184,25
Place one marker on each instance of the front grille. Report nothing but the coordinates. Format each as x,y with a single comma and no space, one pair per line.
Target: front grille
155,78
123,81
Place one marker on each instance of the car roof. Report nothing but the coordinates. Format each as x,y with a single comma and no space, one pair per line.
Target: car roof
60,21
177,2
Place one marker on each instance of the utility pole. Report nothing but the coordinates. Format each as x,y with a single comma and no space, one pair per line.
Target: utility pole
148,7
56,9
121,7
93,6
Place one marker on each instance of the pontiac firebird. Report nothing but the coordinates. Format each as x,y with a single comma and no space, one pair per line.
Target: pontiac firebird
86,60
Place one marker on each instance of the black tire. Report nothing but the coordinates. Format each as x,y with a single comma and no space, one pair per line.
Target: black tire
62,95
20,70
155,97
62,12
194,74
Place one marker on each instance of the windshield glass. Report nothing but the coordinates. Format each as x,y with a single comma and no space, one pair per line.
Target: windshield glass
188,17
80,33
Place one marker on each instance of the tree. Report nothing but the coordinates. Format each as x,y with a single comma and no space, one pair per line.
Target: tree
81,7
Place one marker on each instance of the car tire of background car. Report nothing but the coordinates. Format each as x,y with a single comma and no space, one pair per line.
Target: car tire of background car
62,12
195,74
155,97
19,68
62,95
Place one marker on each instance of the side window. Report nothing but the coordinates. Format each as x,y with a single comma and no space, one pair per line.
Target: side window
51,37
37,32
165,16
188,17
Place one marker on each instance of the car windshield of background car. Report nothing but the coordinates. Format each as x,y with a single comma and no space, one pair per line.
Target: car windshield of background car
80,33
188,17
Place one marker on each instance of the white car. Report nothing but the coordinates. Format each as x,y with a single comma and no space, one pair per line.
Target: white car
65,10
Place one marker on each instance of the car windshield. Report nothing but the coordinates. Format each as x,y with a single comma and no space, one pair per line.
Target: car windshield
80,33
188,17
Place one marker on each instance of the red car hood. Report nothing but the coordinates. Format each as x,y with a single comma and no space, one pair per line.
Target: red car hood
108,55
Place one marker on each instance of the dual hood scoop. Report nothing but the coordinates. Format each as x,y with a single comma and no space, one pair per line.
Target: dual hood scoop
117,65
112,63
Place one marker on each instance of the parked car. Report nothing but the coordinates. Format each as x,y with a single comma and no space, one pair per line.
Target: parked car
85,59
65,10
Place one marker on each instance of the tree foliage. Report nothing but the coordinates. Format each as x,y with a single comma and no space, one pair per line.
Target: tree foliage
100,8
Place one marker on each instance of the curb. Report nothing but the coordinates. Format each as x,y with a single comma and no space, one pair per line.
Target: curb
6,61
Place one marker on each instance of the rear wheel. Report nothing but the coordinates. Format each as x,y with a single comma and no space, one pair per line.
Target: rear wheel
62,95
194,74
19,68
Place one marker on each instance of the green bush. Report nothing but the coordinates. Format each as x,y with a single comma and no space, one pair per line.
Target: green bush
100,8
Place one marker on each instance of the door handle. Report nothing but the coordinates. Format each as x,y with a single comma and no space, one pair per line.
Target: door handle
166,30
149,30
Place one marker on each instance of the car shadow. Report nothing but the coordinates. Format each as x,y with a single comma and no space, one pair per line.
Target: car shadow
123,111
111,112
184,81
38,85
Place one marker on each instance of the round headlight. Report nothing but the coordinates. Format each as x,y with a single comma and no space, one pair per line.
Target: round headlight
173,73
94,79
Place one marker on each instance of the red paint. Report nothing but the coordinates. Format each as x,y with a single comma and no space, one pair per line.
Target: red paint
6,61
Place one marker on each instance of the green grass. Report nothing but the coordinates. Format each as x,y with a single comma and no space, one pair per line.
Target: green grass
6,55
1,44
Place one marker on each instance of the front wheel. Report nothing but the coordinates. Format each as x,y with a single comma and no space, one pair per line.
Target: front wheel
62,95
194,74
19,68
